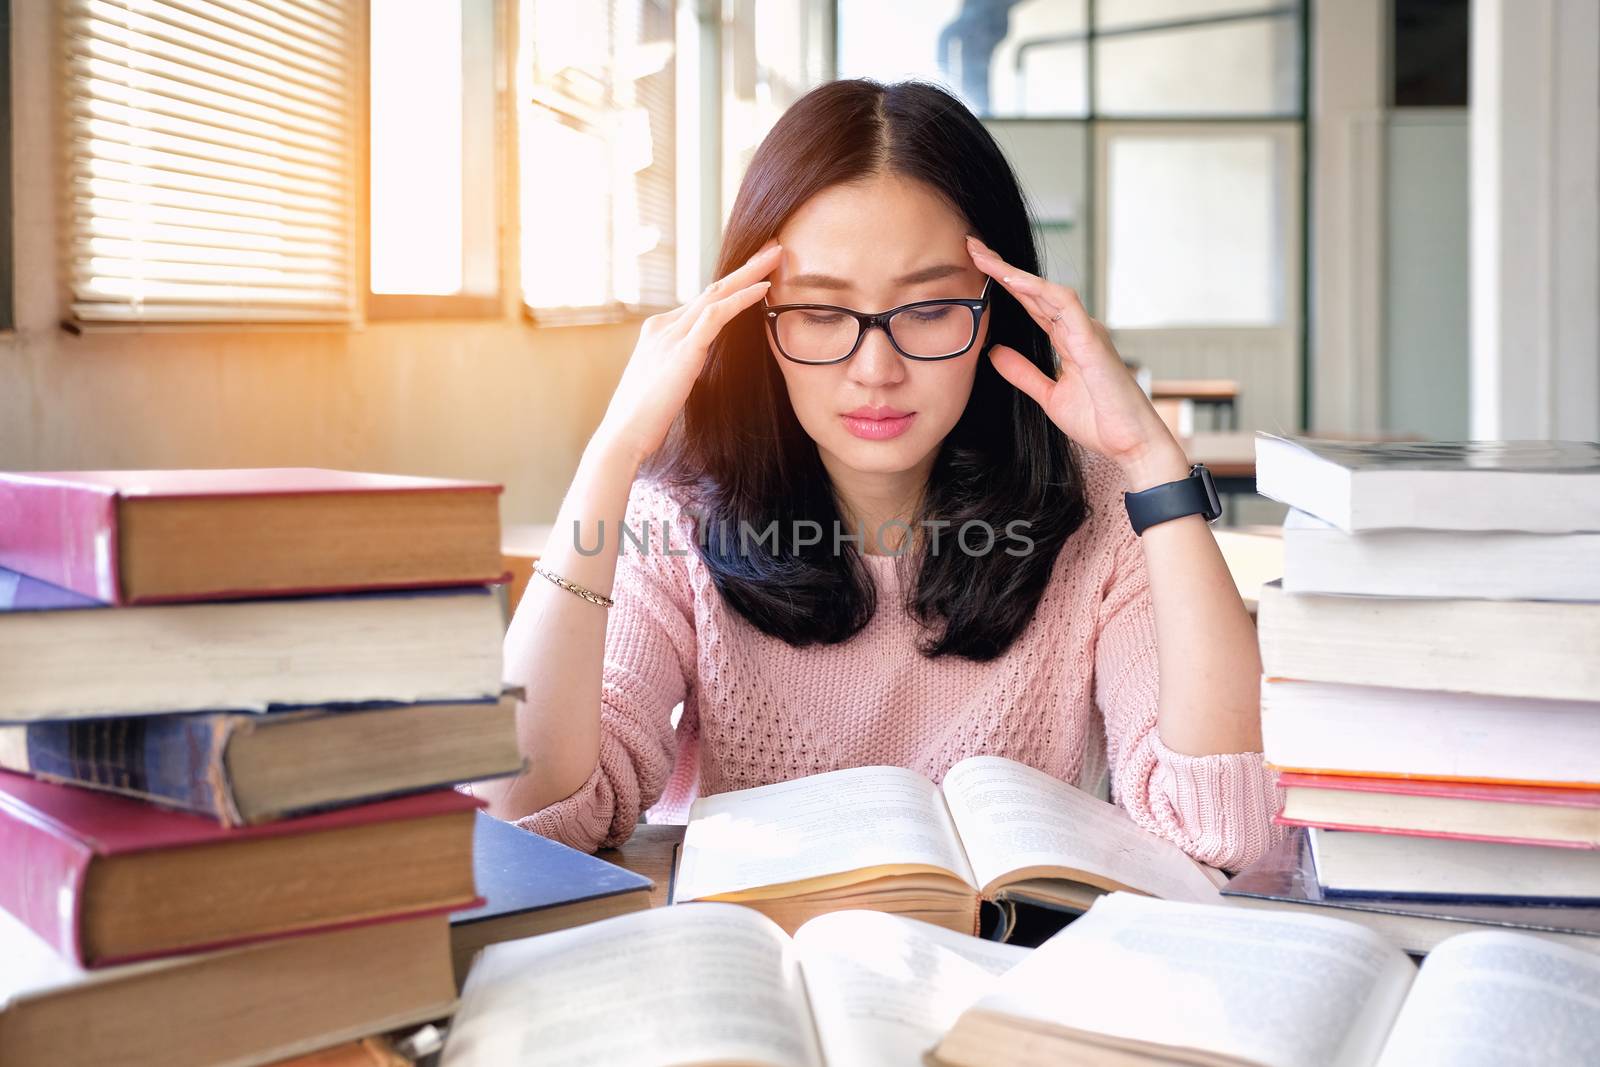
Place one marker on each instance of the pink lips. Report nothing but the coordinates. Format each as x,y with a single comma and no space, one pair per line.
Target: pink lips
877,424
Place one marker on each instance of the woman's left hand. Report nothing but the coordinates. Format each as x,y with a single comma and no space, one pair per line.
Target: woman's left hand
1096,402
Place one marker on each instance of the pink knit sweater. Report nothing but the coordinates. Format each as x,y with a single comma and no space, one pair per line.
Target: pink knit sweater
756,710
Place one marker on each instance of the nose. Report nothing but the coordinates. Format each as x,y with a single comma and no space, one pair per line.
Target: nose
876,363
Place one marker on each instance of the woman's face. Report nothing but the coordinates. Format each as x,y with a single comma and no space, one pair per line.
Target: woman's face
871,247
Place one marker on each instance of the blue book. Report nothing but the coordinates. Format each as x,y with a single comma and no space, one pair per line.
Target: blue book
245,768
533,885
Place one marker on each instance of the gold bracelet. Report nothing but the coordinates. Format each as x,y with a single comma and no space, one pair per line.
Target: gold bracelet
577,590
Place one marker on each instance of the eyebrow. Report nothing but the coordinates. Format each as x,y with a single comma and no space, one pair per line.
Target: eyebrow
828,281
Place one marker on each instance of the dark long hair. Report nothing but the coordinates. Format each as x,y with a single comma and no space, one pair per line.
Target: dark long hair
738,453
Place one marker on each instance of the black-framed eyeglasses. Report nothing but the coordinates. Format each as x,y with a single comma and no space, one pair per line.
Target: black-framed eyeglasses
925,330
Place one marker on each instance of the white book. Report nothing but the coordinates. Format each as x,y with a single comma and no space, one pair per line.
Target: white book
1318,557
63,660
722,984
1354,863
1139,981
888,839
1521,648
1352,729
1535,486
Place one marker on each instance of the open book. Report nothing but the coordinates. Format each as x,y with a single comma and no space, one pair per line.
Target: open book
720,984
887,839
1148,981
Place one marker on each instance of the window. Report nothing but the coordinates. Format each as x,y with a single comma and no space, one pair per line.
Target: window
209,161
1428,55
595,87
1195,227
773,54
433,159
1160,144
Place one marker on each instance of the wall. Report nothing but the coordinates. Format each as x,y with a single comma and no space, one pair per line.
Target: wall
1425,353
494,399
1535,199
1348,41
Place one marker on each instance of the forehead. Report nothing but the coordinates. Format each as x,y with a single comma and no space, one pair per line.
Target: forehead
885,215
882,227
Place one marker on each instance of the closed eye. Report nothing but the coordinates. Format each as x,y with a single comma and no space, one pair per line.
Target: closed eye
821,318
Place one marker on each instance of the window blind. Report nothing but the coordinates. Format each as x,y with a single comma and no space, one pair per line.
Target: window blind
210,160
596,150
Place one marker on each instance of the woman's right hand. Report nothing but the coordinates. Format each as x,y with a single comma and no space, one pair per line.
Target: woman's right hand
670,354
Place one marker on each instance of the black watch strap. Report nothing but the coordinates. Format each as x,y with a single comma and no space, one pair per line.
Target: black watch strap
1194,495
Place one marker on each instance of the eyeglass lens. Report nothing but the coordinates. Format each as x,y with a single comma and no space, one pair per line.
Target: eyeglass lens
818,336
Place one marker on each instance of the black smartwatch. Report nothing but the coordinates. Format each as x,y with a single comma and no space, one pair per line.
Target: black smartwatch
1194,495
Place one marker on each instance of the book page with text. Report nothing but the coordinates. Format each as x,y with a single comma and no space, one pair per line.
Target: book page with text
885,988
1278,990
1012,816
810,827
1500,999
697,983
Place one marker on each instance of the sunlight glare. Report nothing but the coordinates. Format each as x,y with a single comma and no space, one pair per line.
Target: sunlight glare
416,146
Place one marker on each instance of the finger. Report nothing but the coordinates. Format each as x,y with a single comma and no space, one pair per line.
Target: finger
1047,317
1017,369
713,317
758,266
755,268
1016,280
1082,339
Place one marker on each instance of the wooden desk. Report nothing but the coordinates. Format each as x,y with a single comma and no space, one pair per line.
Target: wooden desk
1230,454
651,851
1254,555
1221,394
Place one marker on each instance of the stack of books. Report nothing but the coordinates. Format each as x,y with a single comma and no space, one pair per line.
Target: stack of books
1432,683
234,705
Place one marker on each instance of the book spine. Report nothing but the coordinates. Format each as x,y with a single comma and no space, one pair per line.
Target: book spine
41,884
63,534
175,760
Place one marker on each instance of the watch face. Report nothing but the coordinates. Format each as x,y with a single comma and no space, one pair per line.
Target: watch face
1213,500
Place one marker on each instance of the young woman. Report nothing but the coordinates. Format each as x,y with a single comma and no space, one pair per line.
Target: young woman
897,540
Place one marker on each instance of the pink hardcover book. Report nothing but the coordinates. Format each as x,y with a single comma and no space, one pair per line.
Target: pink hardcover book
79,859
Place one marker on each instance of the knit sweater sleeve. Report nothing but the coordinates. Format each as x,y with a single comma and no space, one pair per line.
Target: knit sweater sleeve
1217,808
648,665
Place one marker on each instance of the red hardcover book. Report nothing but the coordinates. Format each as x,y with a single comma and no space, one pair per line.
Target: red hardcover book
131,537
1478,811
107,879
